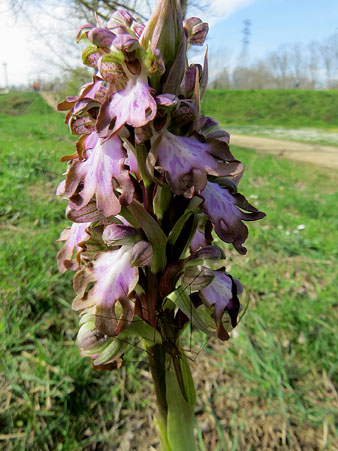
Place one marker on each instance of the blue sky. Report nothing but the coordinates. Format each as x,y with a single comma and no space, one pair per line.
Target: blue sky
274,22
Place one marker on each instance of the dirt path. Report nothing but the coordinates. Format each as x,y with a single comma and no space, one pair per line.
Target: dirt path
326,156
51,98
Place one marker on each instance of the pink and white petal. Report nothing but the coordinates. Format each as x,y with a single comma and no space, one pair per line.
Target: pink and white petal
114,275
133,105
114,280
74,235
104,163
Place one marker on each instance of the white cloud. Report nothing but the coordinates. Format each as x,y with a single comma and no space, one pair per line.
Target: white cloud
221,9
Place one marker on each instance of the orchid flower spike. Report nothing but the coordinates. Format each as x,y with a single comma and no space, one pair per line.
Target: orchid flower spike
152,192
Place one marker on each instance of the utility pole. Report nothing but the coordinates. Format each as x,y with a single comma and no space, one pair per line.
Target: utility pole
246,36
6,75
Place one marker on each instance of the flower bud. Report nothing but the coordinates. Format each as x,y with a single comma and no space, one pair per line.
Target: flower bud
101,37
119,234
195,30
99,347
121,18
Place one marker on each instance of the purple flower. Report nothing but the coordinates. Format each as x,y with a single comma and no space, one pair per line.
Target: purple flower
187,161
104,350
112,72
115,281
220,296
150,179
101,37
221,206
134,105
195,30
96,176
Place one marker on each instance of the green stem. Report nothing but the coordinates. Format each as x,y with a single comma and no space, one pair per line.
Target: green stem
156,356
176,423
180,421
141,157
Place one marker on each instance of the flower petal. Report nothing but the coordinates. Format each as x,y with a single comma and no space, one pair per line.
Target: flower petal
113,275
119,234
100,347
221,296
221,206
195,30
114,280
134,106
104,162
187,161
101,37
142,254
74,235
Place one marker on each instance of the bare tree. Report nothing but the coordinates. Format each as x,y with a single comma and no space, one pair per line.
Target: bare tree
313,64
279,62
85,9
297,65
221,81
329,54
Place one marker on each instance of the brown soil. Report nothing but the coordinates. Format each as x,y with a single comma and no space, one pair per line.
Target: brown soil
326,156
51,98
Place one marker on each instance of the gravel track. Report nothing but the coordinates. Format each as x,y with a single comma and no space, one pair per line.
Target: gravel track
325,156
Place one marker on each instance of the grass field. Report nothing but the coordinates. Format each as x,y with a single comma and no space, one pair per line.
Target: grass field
308,116
271,387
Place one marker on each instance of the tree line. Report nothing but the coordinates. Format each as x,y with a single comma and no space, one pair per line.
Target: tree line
291,66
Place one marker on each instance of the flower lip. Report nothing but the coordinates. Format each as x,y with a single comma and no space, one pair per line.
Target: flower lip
187,161
103,164
221,295
224,207
134,105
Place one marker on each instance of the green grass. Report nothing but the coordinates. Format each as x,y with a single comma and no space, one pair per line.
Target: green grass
18,103
288,108
273,382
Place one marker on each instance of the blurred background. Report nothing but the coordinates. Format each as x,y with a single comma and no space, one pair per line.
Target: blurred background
274,86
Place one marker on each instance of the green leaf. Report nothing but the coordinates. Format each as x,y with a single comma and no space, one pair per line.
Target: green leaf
142,329
189,387
180,422
192,208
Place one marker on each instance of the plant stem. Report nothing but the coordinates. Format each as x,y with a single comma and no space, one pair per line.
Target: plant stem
156,356
176,425
180,421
